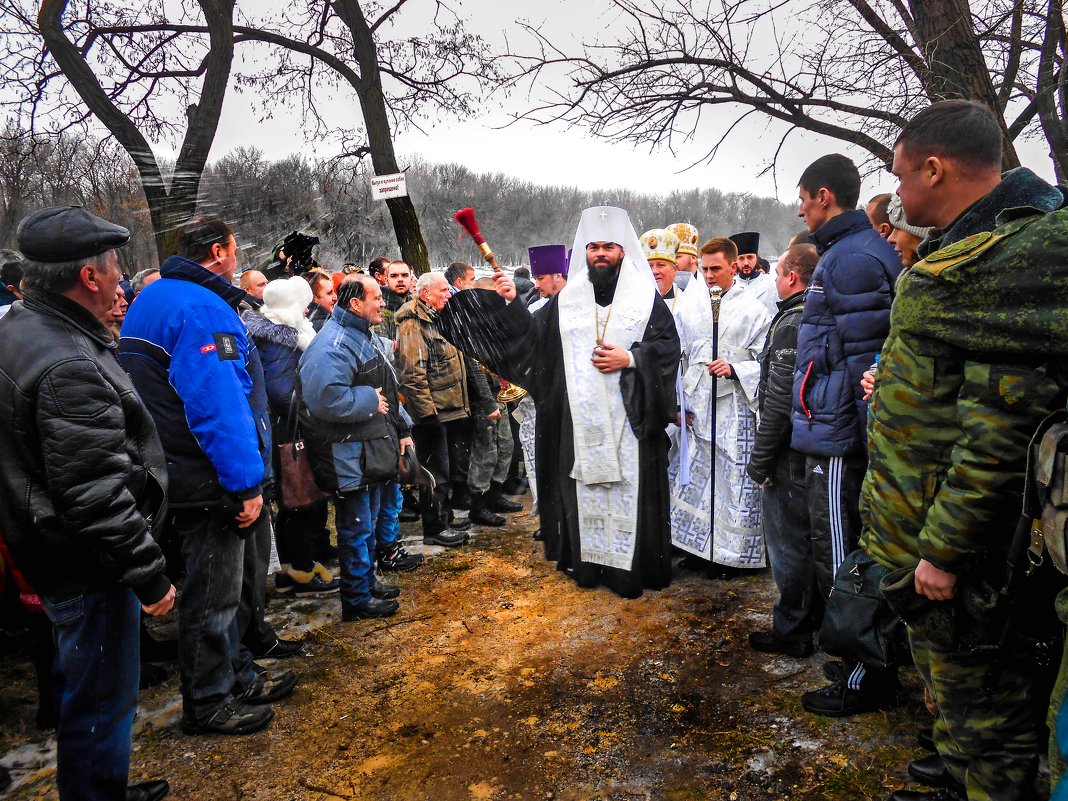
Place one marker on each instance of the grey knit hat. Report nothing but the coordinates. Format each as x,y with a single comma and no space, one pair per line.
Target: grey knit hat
897,219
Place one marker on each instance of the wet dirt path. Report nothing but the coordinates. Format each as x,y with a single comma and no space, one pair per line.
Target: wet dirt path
501,679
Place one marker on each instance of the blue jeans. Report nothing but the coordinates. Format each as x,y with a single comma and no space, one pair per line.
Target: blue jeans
356,515
98,670
387,529
211,659
799,610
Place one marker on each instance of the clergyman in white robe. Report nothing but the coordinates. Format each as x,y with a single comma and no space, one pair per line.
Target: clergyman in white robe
736,537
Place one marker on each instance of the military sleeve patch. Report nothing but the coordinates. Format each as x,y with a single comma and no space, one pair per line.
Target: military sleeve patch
226,347
964,246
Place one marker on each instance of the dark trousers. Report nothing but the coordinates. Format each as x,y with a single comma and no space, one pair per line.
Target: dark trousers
517,451
799,610
97,671
357,513
256,632
832,490
211,659
431,443
459,435
296,534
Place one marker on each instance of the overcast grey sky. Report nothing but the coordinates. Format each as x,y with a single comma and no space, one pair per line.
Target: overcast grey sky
558,155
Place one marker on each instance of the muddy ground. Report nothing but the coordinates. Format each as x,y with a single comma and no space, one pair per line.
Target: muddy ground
501,679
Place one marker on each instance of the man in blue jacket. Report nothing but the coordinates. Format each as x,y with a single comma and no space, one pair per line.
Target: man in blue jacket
355,431
845,319
187,351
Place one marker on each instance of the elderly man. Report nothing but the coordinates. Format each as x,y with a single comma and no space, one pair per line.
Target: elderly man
355,432
686,255
188,354
600,362
83,480
433,376
659,246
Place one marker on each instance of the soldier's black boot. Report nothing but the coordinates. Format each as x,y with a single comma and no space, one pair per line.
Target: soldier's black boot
497,502
481,513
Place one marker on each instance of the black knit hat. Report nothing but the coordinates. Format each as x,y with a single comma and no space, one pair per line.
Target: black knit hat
67,233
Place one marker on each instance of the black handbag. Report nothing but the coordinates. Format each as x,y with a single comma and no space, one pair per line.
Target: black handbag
858,624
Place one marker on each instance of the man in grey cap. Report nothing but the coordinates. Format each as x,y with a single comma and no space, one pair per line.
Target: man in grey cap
82,480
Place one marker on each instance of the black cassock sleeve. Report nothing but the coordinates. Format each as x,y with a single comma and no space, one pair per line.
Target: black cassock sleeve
649,388
503,336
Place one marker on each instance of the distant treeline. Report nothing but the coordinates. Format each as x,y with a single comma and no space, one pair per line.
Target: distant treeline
264,200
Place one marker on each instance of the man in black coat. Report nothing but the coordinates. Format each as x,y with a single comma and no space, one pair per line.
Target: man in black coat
83,479
780,470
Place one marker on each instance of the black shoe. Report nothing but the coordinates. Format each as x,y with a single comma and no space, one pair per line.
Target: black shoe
148,791
383,591
279,649
480,511
398,560
942,794
498,503
373,608
694,563
461,498
151,675
515,486
232,717
538,536
931,770
836,700
771,643
267,689
408,515
925,740
834,670
450,538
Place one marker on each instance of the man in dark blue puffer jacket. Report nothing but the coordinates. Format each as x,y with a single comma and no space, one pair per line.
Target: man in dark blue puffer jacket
845,320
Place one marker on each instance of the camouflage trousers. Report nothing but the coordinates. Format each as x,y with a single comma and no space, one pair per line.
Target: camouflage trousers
491,451
987,741
1058,712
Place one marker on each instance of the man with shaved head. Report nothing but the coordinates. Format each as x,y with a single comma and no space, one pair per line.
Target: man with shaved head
253,282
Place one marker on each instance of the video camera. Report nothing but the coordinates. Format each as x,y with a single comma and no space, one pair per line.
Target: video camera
298,248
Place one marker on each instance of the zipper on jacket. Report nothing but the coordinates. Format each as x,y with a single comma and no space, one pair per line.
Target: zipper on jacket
801,392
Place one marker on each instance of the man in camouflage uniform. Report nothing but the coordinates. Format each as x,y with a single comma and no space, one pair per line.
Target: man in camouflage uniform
975,359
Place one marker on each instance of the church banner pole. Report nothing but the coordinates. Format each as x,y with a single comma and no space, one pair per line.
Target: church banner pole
716,292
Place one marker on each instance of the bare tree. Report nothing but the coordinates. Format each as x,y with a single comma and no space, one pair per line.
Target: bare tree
126,65
852,70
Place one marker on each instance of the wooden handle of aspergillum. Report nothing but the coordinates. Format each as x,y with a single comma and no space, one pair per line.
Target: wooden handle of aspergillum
487,254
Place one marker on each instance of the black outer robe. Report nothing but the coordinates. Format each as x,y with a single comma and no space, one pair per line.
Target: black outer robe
526,350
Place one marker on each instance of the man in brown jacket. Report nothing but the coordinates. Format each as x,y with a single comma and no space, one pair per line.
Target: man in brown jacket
433,377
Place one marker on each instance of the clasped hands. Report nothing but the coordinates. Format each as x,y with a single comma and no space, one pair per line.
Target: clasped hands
610,358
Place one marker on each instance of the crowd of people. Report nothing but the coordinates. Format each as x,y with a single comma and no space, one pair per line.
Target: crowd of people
865,406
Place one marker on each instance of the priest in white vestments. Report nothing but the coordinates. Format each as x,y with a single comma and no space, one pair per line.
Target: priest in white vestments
715,506
759,284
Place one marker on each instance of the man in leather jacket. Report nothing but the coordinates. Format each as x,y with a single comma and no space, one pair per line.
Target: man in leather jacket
780,470
83,480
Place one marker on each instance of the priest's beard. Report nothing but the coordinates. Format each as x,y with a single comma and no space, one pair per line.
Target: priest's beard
603,274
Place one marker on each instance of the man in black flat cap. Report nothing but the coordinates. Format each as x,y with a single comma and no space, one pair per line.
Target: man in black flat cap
82,480
757,283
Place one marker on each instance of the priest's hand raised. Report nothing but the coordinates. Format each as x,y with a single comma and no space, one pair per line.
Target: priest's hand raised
505,286
610,358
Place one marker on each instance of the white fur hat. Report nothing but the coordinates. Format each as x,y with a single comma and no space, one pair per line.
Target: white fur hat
287,293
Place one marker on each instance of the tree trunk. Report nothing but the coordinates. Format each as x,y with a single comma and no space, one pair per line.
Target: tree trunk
956,66
379,137
1050,97
169,206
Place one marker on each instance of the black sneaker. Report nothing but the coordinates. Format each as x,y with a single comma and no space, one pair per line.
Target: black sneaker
383,591
232,717
267,689
373,608
771,643
279,649
398,560
836,700
834,670
450,538
154,790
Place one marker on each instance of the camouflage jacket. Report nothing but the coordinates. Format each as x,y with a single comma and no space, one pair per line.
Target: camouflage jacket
975,358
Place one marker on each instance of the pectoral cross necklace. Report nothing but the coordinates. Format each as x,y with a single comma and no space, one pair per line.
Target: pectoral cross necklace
598,329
